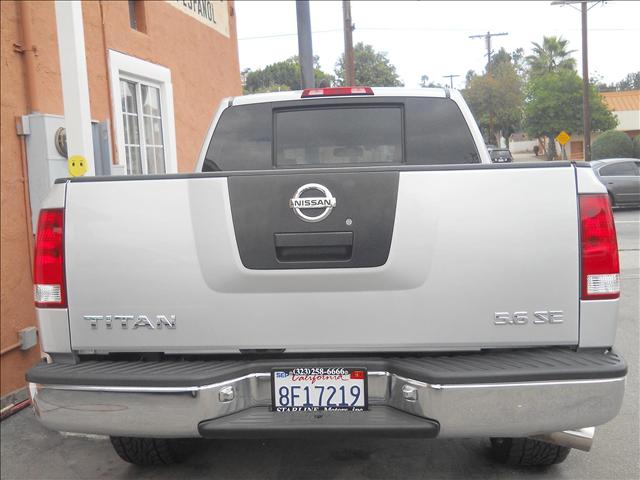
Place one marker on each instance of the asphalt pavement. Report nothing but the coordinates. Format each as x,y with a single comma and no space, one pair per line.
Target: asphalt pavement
527,157
29,451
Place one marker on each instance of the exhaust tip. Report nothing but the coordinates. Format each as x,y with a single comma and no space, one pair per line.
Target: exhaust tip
580,439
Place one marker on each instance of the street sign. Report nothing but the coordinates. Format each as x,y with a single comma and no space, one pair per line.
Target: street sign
563,138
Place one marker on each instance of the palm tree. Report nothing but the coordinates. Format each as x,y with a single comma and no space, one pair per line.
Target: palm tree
551,56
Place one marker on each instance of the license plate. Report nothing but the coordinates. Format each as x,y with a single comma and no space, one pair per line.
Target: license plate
311,389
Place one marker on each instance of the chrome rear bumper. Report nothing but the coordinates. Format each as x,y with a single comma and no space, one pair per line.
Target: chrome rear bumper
519,409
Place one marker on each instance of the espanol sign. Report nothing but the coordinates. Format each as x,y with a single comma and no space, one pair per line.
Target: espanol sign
213,13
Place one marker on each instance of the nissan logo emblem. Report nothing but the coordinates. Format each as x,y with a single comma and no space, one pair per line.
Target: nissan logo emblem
324,202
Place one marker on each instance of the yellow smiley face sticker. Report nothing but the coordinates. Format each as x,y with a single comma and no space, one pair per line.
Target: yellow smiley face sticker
77,165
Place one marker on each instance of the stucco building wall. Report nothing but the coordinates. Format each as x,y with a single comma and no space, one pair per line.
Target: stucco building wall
16,289
204,69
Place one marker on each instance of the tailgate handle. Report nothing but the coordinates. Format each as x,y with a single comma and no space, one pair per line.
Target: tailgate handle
314,247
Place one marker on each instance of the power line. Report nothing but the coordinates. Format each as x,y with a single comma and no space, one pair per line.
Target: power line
276,35
570,3
421,29
487,38
450,77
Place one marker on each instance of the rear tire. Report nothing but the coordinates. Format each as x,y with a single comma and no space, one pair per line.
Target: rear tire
527,452
152,451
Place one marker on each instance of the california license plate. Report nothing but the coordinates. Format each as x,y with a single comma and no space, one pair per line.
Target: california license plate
310,389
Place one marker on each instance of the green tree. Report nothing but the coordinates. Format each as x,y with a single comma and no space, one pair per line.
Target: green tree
516,58
551,56
467,78
501,56
519,62
612,144
274,87
630,82
425,83
373,68
498,95
636,146
283,75
553,102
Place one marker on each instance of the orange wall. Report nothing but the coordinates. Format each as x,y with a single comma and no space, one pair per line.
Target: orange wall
16,294
204,65
204,69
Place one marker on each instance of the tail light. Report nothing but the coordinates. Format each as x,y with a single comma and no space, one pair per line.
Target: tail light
48,270
336,91
600,267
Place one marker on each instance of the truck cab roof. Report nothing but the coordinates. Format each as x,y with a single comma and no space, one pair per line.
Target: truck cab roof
377,91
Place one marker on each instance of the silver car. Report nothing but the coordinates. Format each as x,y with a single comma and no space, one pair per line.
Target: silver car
621,176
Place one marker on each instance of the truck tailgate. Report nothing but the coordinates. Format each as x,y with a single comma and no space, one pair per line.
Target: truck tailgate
201,253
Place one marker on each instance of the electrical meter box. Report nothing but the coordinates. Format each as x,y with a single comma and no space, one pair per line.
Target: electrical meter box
45,140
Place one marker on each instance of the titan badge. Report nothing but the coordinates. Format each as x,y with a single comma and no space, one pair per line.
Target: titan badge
135,321
326,202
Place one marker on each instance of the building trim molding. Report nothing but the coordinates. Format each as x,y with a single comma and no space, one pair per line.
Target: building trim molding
128,66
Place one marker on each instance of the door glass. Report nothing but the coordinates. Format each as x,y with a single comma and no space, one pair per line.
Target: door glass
340,136
129,101
152,119
142,125
621,169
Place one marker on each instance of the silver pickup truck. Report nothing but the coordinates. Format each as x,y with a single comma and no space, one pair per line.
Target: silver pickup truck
343,261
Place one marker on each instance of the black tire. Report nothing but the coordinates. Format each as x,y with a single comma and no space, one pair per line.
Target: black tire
527,452
152,451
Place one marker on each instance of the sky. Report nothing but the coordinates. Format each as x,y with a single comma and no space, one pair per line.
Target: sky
432,38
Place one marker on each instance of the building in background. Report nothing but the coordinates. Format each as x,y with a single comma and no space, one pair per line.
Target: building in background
625,105
157,71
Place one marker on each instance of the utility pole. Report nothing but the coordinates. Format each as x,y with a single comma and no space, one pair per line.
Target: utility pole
586,108
349,62
450,77
487,38
305,48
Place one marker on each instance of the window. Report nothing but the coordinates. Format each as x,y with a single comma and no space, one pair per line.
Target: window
242,140
621,169
353,131
437,133
137,19
143,115
133,23
370,135
142,120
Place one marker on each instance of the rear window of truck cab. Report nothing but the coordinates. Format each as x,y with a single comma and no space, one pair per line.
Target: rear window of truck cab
349,132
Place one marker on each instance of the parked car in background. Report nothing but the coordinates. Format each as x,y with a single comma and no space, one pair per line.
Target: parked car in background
500,155
621,176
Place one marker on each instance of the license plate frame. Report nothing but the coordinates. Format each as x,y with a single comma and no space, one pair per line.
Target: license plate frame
307,376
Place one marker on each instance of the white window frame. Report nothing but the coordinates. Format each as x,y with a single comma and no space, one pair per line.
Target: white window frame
130,68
